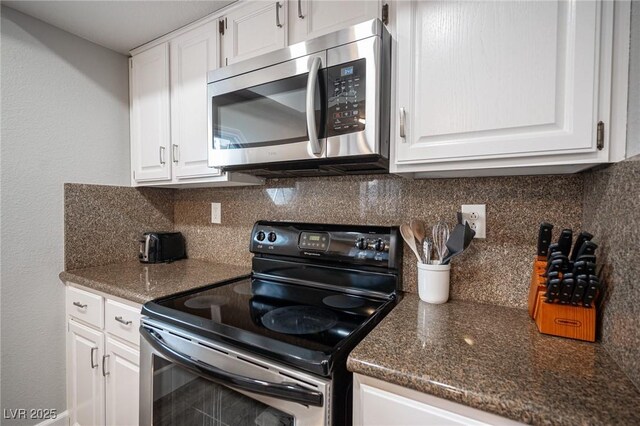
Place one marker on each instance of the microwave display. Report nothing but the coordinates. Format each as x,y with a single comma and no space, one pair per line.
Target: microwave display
346,98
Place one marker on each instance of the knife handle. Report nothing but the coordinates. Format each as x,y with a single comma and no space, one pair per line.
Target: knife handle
590,293
578,291
553,290
587,258
552,276
553,248
582,237
567,290
588,248
544,238
590,268
565,240
579,268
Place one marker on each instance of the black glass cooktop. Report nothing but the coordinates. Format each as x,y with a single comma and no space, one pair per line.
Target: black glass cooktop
301,325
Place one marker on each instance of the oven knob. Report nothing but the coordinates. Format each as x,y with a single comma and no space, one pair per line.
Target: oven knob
361,243
260,236
271,237
379,245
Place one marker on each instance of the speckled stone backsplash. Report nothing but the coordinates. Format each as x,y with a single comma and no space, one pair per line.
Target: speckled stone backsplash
612,214
495,270
102,224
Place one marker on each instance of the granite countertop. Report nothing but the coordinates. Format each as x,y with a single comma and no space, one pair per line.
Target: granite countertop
140,282
493,358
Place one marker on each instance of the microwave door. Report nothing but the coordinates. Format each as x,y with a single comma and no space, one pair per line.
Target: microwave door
265,116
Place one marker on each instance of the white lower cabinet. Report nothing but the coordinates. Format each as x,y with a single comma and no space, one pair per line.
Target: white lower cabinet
122,378
86,387
103,367
378,403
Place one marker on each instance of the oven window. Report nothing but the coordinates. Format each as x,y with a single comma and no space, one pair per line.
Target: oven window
181,397
268,114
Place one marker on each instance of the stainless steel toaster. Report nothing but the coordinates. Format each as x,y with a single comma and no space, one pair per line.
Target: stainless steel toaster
158,247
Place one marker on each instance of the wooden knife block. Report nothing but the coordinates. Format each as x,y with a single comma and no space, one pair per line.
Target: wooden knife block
574,322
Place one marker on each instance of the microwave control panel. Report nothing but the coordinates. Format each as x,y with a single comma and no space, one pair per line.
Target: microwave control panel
346,98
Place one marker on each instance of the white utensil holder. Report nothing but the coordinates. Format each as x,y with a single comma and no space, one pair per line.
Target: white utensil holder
433,282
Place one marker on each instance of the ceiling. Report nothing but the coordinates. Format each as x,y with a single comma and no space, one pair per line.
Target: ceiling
118,25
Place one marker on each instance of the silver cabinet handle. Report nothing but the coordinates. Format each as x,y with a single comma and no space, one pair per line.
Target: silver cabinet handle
93,350
403,121
79,305
121,321
300,15
311,101
176,152
104,361
162,155
278,23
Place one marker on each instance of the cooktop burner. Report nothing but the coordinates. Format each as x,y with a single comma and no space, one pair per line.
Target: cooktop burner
299,320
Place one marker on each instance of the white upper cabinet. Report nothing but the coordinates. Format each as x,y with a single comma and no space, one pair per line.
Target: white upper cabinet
254,28
480,81
150,131
313,18
193,54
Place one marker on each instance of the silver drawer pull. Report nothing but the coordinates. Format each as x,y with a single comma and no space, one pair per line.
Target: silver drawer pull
278,23
79,305
403,123
121,321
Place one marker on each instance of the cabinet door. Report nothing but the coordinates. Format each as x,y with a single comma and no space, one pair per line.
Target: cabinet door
123,383
480,80
86,392
193,54
378,407
313,18
253,29
150,134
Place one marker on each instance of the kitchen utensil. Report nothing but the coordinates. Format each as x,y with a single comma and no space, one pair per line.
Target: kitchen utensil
440,237
553,248
588,248
427,245
590,268
578,291
589,258
580,240
410,239
591,291
566,291
544,238
553,290
417,227
458,242
433,283
564,242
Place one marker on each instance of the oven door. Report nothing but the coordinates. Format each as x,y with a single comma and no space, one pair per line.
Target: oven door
273,114
188,380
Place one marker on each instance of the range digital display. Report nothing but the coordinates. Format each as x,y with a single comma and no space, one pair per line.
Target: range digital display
314,241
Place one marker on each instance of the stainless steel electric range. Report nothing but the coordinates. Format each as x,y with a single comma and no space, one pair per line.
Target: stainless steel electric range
271,348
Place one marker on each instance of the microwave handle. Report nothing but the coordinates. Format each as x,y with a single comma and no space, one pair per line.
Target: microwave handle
286,391
312,81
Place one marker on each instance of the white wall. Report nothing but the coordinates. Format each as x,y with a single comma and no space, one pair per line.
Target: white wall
64,119
633,114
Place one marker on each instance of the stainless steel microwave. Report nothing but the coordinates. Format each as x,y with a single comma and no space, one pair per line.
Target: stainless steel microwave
319,107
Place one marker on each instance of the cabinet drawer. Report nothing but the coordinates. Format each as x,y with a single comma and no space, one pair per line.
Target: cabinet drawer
122,321
85,306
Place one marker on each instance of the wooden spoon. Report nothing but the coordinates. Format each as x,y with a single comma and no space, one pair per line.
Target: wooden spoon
417,226
410,239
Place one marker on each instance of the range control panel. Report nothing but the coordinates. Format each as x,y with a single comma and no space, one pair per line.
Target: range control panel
346,98
371,245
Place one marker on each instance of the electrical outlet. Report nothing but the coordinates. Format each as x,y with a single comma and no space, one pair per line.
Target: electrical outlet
476,216
216,213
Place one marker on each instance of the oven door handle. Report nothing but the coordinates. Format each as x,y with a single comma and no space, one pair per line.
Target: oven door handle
312,81
288,392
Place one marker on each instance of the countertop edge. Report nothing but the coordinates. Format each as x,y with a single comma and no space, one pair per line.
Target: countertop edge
70,277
